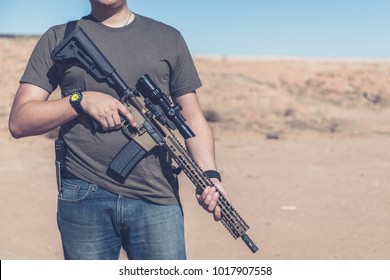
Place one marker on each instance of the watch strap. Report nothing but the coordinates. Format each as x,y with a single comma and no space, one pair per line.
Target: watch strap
75,101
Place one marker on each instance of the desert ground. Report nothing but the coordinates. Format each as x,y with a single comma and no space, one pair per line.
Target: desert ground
303,145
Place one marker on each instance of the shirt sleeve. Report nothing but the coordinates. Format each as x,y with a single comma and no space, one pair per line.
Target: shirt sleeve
184,77
41,70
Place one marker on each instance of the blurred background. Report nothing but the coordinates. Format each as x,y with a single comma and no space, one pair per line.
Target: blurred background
324,28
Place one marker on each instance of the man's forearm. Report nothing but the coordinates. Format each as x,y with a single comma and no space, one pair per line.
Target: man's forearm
31,115
201,147
39,117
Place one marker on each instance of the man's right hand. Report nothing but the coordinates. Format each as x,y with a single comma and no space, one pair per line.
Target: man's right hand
106,110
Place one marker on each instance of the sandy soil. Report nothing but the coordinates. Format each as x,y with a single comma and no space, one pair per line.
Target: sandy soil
303,146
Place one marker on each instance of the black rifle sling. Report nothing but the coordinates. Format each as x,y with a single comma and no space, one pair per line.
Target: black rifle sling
59,144
70,26
124,162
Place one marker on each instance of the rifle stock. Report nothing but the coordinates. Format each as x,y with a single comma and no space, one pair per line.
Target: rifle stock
155,115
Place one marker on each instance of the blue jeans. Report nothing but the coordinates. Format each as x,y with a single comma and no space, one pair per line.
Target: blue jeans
95,224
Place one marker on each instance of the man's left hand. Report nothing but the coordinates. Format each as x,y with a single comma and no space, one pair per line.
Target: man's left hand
208,199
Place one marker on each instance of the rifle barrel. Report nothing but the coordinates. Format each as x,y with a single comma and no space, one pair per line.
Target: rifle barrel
249,243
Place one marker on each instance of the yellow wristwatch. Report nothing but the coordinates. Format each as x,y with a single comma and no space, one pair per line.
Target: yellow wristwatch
75,101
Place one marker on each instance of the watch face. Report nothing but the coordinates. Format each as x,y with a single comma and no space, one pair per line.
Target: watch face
75,97
75,100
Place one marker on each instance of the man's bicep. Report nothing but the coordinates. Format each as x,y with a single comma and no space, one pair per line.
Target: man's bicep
29,92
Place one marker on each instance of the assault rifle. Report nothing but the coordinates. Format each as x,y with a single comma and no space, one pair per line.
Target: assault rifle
157,120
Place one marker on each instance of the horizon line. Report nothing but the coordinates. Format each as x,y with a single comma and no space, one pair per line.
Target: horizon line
245,56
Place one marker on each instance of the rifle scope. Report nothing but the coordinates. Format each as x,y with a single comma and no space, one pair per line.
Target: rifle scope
150,90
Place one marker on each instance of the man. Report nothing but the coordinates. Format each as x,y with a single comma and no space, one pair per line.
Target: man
96,213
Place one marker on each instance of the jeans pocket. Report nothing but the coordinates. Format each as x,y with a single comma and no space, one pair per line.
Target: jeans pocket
74,190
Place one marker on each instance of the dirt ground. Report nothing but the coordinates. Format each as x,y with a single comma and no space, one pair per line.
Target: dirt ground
302,144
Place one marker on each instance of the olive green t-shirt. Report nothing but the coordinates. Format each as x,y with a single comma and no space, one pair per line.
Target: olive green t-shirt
143,47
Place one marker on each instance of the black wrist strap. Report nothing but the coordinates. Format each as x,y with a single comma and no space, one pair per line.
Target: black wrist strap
213,174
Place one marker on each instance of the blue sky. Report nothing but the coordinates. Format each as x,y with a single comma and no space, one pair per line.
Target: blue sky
288,28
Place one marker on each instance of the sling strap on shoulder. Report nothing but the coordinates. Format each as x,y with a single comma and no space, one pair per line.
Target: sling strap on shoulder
59,144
